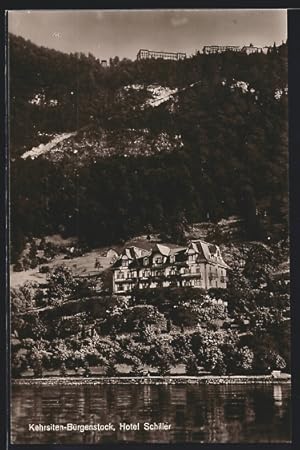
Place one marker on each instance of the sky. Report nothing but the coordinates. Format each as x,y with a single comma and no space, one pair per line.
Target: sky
107,34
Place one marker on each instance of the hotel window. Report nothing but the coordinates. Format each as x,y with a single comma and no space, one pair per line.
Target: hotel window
192,258
172,258
213,274
125,263
146,261
157,260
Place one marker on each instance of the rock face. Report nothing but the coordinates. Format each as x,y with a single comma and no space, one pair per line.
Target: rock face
44,149
99,143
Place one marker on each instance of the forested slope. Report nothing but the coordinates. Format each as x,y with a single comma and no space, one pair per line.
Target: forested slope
214,149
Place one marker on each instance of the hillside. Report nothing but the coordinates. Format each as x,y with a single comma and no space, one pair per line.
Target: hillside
53,251
90,145
65,319
166,143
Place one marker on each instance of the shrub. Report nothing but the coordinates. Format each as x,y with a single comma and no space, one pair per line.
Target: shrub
267,360
61,283
18,267
181,345
37,367
86,369
245,360
63,370
164,367
19,362
111,370
137,368
191,366
22,298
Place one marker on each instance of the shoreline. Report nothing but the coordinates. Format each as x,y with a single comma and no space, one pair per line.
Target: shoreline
155,380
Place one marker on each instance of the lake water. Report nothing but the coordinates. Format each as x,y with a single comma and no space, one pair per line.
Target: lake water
196,413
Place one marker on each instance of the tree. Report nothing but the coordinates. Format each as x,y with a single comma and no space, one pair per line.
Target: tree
259,264
207,347
214,361
87,370
200,310
191,366
32,255
161,355
266,360
164,367
181,345
32,326
111,370
177,227
42,244
18,266
37,357
61,283
63,370
37,368
49,250
249,212
137,368
147,335
19,362
245,360
140,316
68,326
22,298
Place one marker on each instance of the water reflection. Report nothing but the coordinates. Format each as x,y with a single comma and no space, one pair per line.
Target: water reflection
277,394
233,413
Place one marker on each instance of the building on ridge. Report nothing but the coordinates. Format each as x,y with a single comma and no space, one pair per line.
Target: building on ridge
248,49
211,49
151,54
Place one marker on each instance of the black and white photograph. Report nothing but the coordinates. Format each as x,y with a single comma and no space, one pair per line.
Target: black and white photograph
149,247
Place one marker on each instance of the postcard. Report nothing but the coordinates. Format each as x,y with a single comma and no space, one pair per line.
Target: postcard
149,233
